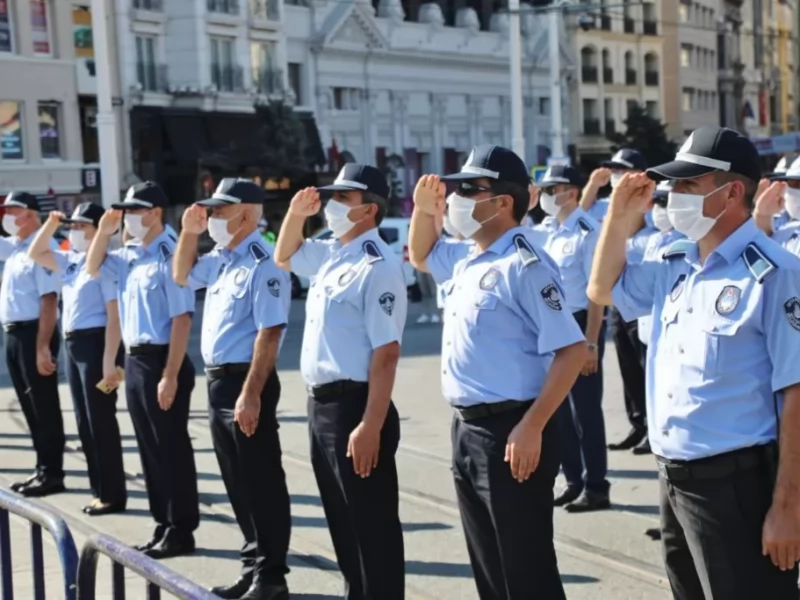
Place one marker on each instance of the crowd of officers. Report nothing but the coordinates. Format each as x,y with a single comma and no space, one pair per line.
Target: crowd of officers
706,318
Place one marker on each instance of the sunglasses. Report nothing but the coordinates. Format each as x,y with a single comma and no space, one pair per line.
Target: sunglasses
469,189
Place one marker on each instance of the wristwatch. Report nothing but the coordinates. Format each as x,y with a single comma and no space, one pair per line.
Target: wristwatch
592,347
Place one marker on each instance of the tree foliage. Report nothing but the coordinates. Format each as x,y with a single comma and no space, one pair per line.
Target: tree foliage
647,135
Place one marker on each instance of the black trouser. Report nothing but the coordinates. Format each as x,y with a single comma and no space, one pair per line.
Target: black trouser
96,414
38,395
362,513
165,448
253,475
584,456
508,524
631,355
711,537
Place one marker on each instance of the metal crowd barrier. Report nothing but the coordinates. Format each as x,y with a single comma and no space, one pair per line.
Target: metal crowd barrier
157,576
39,518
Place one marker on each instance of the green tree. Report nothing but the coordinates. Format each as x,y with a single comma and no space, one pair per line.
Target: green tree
647,135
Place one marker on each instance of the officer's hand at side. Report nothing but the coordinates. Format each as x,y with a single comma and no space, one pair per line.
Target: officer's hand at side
523,448
306,203
195,219
429,195
600,177
109,222
780,536
770,201
167,388
632,196
246,413
363,447
44,361
592,360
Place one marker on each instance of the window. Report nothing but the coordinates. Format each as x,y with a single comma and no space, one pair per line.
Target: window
686,99
266,79
544,107
11,144
683,12
296,81
686,56
50,130
230,7
651,107
6,34
146,62
222,65
40,31
630,107
345,98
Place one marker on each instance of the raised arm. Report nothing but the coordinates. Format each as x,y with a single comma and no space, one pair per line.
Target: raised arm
597,179
429,204
305,203
109,224
769,202
39,251
193,223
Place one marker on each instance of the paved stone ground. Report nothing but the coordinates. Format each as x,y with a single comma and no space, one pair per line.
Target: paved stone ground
602,556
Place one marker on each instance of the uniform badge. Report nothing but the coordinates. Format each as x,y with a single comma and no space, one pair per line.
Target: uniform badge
489,280
569,247
274,286
792,308
347,277
551,296
677,289
240,276
387,303
72,268
728,299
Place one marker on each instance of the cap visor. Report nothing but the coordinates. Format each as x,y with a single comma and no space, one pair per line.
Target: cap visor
337,187
211,202
678,169
463,177
15,204
610,164
131,205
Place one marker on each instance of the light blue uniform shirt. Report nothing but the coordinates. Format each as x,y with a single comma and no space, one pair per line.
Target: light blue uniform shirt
357,301
726,336
780,219
24,282
247,292
656,246
599,209
505,316
148,296
788,236
637,244
571,245
83,298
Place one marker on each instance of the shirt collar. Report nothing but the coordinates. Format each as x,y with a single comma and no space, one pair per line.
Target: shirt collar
354,246
242,246
501,244
732,247
153,246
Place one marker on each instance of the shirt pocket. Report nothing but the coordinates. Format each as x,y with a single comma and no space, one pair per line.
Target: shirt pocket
479,310
722,344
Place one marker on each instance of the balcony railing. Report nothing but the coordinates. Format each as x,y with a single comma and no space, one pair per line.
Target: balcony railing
651,78
628,25
265,9
605,22
227,78
611,127
589,74
608,75
152,77
229,7
650,27
268,81
591,126
630,76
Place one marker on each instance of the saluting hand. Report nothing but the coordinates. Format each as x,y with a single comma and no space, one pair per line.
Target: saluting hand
600,177
195,219
780,536
633,195
54,220
109,222
769,199
523,449
363,447
429,195
306,203
246,413
167,388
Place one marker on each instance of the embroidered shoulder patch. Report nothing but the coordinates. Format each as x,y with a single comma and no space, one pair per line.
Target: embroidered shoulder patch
387,303
274,286
551,296
792,309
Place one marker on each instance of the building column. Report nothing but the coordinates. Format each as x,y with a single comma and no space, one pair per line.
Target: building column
323,103
369,124
438,114
401,131
474,112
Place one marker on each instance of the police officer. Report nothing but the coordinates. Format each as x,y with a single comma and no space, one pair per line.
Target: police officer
245,314
611,171
511,352
569,237
156,317
90,321
355,315
781,197
28,311
723,382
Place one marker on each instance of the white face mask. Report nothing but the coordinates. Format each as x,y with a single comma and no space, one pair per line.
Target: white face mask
615,179
549,203
460,213
77,240
218,230
791,198
449,227
686,214
336,214
661,218
134,226
10,224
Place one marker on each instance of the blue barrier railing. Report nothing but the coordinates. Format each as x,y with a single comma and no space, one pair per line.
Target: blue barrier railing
157,576
39,518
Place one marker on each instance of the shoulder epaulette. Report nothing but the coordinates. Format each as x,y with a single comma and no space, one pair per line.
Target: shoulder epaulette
585,225
172,237
757,262
525,250
371,250
165,251
257,252
678,248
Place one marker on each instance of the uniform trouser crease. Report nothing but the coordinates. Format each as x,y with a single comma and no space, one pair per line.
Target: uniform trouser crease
362,513
508,525
96,417
165,448
631,356
38,398
253,474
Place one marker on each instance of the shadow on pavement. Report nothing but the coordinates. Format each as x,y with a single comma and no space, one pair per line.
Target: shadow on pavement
637,509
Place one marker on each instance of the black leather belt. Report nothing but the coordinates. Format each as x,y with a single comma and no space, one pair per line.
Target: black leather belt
20,325
479,411
76,333
336,388
139,349
717,467
217,371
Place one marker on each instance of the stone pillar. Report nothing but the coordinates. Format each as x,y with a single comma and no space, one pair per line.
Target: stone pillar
474,112
401,131
438,115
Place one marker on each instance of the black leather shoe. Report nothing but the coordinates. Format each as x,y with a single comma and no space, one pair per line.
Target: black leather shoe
43,486
634,438
96,510
588,502
654,534
172,545
567,495
158,535
643,448
233,591
266,591
18,486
